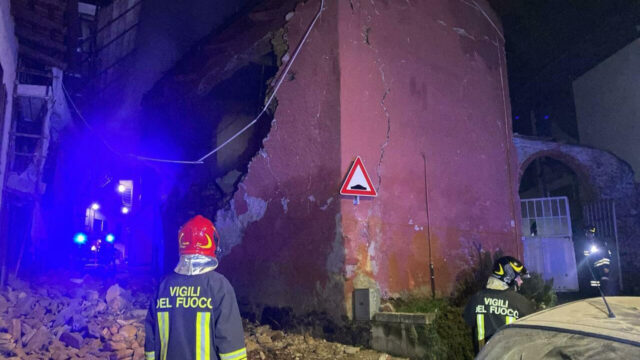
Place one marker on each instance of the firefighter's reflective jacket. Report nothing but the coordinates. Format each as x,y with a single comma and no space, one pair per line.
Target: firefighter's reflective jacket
490,309
599,258
194,317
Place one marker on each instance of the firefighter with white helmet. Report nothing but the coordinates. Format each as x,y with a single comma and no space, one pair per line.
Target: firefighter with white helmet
194,314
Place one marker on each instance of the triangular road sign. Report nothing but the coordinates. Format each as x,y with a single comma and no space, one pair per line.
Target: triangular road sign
358,182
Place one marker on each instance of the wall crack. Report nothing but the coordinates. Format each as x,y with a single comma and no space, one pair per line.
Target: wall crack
387,90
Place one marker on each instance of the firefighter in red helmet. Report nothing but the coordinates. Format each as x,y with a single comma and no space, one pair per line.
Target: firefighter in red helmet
194,314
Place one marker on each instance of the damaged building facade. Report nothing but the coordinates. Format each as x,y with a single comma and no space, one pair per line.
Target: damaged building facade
417,90
426,107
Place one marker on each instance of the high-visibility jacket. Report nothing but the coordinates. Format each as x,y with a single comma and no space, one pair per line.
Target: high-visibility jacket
194,317
600,261
490,309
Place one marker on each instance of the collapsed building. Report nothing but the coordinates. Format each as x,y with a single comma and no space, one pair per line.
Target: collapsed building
427,110
417,90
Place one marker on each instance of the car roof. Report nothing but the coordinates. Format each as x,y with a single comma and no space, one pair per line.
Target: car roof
590,317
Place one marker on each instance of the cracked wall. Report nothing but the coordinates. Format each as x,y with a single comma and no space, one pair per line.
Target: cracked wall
363,85
293,254
434,86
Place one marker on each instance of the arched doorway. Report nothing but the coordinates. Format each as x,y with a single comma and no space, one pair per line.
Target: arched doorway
588,177
552,196
546,177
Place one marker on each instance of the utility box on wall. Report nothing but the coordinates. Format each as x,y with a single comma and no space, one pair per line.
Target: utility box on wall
366,303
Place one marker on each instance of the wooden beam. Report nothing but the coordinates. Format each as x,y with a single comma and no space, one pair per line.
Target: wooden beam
56,4
39,56
37,18
48,12
40,38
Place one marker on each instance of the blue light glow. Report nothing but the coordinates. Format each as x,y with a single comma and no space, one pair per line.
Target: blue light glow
110,238
80,238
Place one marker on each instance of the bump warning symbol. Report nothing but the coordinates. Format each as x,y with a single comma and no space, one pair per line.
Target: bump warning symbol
358,182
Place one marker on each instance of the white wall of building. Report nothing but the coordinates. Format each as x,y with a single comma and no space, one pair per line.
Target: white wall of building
8,59
607,100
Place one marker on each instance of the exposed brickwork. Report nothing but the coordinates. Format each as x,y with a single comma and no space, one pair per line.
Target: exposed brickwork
605,176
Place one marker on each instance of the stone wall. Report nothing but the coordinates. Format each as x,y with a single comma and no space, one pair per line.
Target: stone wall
604,176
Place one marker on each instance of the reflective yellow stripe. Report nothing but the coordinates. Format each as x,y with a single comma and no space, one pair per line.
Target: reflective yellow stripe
203,336
602,262
510,319
480,325
150,355
163,325
235,355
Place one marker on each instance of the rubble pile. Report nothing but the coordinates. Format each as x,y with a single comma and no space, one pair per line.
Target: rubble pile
70,322
264,343
85,319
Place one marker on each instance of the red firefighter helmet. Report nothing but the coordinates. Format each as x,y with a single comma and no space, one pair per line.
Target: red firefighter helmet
198,236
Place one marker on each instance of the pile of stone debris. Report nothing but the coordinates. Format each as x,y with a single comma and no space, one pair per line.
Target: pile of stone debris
70,321
84,319
265,343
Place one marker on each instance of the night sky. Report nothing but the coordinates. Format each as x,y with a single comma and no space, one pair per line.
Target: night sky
549,44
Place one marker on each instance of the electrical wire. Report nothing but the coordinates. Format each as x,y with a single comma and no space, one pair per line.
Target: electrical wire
283,75
86,123
275,90
488,18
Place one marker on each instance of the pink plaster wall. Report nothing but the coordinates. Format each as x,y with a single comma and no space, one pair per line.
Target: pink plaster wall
287,257
424,77
389,81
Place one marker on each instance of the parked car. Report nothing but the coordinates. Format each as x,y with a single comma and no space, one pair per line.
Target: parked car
577,330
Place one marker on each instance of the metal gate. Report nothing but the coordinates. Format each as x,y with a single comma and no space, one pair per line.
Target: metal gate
548,244
602,214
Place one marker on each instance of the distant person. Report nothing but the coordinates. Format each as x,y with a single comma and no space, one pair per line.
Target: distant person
599,259
194,315
499,303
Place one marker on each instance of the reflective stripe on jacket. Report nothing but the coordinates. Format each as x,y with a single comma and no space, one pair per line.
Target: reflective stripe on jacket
194,317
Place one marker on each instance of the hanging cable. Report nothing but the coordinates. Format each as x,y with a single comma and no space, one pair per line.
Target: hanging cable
275,90
86,123
264,108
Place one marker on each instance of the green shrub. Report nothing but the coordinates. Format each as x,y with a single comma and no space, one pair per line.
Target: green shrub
539,291
474,278
414,304
449,338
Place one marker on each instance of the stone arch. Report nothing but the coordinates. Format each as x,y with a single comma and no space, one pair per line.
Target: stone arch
608,177
605,176
589,190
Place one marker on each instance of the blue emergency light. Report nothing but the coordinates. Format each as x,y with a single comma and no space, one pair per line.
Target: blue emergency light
110,238
80,238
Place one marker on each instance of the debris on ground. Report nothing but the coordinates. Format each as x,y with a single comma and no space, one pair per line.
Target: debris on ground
88,319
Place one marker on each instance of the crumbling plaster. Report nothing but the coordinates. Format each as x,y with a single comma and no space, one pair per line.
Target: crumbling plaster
294,251
8,60
365,85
